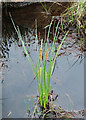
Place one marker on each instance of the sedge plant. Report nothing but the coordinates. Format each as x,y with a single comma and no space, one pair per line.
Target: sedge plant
75,16
47,10
42,75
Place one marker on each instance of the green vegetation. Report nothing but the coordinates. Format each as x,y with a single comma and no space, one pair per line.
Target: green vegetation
44,6
42,76
74,15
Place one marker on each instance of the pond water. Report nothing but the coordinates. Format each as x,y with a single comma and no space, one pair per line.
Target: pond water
18,85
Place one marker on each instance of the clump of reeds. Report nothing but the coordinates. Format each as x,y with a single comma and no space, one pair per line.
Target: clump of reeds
42,75
75,15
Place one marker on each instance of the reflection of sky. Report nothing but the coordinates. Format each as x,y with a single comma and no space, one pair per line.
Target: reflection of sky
18,82
0,91
85,82
18,85
70,82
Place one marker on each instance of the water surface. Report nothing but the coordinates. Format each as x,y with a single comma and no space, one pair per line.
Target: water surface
18,86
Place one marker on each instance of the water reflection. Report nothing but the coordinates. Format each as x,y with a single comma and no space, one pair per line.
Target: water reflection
18,85
25,17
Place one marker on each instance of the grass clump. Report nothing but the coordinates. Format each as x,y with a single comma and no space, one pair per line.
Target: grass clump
42,75
75,15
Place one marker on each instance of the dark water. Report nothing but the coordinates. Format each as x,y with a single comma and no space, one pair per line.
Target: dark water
18,86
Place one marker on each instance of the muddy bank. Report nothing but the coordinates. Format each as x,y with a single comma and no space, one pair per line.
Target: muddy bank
26,16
